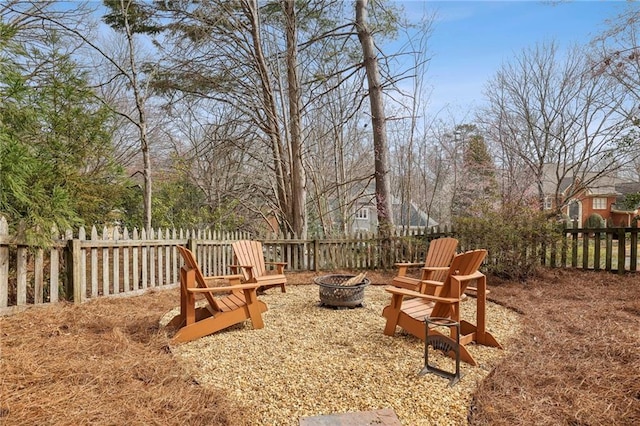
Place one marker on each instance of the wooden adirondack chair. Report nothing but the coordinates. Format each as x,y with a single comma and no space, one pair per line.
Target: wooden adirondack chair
408,308
220,312
250,263
435,267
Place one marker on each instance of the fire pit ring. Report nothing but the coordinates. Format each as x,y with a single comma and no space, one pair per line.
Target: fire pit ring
333,294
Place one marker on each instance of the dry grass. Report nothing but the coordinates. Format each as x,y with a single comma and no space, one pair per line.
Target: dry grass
106,362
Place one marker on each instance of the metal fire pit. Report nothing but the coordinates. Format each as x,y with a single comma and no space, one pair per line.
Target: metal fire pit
339,296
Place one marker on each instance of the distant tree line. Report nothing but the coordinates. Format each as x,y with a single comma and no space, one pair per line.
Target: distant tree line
246,114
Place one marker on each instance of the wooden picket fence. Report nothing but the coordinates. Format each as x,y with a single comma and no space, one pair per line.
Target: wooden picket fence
609,249
111,263
82,267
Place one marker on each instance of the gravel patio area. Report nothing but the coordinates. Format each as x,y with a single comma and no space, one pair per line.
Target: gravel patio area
311,360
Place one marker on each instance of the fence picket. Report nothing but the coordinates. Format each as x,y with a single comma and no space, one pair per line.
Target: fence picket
54,268
4,264
94,263
38,279
144,276
105,264
116,262
160,259
152,260
21,276
597,242
167,260
126,282
174,256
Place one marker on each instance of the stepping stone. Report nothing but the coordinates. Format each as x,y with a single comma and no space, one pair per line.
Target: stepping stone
383,417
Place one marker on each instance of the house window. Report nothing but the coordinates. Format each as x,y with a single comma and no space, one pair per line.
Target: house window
548,203
599,203
362,213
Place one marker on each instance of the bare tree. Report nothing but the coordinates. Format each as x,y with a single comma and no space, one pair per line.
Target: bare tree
553,116
298,180
339,156
410,132
616,54
124,19
224,52
378,121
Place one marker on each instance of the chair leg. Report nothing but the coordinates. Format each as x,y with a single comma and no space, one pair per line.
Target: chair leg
392,314
253,308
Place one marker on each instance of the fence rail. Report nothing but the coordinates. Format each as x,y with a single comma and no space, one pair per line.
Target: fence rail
82,267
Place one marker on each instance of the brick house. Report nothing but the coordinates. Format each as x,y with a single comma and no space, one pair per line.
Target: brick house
603,195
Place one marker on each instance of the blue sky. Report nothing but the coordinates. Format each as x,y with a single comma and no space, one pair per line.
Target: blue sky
471,39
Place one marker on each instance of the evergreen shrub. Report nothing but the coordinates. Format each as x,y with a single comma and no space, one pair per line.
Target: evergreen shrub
515,237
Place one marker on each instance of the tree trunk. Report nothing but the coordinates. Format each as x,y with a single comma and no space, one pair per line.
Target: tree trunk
269,105
378,121
141,122
298,178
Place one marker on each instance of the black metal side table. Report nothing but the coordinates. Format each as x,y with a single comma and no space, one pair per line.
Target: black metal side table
444,344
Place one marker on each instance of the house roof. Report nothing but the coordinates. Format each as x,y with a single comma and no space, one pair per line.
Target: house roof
550,180
596,184
416,217
601,185
625,188
409,216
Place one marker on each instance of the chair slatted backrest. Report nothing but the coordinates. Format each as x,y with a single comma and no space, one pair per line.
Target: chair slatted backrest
463,264
441,252
191,263
249,253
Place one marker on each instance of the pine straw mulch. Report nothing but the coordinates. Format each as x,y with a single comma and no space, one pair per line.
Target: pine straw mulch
577,361
106,362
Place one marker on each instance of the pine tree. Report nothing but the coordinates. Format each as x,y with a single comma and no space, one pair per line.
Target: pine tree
477,188
55,150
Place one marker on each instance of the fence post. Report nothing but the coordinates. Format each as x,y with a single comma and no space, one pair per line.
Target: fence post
622,246
316,249
73,286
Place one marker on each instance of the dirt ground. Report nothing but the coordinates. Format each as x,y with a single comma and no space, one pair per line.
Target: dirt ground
107,362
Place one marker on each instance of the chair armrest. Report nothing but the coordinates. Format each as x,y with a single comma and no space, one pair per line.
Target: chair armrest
403,266
475,289
470,277
435,268
248,269
404,292
430,284
407,264
428,271
223,289
279,266
223,277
